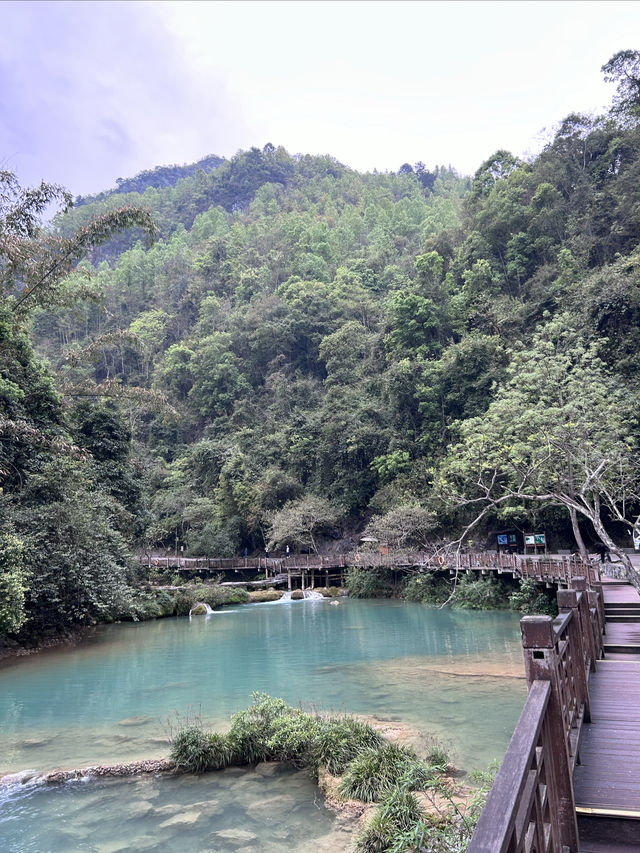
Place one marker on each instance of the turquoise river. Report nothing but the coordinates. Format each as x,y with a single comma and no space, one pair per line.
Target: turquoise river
454,674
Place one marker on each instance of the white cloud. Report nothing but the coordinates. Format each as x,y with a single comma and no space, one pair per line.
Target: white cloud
92,91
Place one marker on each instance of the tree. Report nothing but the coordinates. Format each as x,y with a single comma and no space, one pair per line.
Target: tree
36,262
404,527
624,69
62,559
300,521
558,432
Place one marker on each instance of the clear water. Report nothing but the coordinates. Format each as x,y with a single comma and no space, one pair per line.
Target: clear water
455,674
232,810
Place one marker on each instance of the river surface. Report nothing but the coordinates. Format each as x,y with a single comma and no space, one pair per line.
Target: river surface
454,674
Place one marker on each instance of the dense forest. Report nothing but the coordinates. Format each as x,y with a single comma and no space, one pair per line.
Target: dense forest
295,352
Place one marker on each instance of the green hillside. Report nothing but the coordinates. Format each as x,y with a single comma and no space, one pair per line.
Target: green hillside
429,355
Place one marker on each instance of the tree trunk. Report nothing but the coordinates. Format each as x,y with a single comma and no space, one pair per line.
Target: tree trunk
577,535
630,572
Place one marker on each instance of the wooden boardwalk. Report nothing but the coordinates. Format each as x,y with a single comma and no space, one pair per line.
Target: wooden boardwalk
570,780
607,777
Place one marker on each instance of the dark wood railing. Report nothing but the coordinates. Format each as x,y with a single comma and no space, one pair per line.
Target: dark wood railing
531,806
555,569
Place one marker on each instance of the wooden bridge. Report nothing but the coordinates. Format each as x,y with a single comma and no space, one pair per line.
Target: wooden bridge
279,570
570,780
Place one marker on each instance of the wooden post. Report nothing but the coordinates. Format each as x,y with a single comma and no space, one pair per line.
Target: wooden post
541,663
568,601
289,578
326,577
580,585
302,576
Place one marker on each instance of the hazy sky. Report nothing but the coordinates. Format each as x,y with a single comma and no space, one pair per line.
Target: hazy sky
93,91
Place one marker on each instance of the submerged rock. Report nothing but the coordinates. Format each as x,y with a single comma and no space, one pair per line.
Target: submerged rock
134,721
232,838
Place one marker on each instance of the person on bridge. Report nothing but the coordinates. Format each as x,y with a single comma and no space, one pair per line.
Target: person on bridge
603,550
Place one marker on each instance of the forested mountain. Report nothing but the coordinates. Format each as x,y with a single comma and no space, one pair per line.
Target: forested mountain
161,176
305,348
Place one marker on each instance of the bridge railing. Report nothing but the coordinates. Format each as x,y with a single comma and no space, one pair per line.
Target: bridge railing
561,569
531,805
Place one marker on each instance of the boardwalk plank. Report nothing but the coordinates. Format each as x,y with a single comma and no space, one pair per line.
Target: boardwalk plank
608,776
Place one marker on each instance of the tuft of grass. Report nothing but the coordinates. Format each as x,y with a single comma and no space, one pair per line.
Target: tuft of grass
197,751
397,816
338,741
374,773
297,595
251,730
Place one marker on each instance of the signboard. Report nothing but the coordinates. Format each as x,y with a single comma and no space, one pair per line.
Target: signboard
532,540
529,539
539,537
507,539
503,539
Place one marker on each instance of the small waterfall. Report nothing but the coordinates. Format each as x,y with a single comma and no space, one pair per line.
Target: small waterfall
308,595
203,604
312,595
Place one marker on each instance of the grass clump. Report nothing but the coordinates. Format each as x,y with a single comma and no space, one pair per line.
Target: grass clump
252,730
258,595
397,816
374,773
329,591
195,750
297,595
339,740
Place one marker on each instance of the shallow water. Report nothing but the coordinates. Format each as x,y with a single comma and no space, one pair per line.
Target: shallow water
457,675
268,809
113,697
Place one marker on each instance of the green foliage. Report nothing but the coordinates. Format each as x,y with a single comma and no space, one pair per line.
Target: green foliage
13,584
482,593
339,740
426,589
197,751
396,816
530,600
368,583
251,730
374,773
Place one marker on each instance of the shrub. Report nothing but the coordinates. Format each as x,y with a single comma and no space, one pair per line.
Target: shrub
529,599
339,740
483,593
374,773
292,738
426,589
252,729
368,583
195,750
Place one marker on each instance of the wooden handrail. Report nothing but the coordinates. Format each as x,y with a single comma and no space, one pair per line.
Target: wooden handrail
561,569
516,792
531,805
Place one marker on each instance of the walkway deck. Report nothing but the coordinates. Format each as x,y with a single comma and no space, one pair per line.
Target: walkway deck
607,779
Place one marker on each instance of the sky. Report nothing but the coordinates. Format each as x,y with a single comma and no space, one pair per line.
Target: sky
95,91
